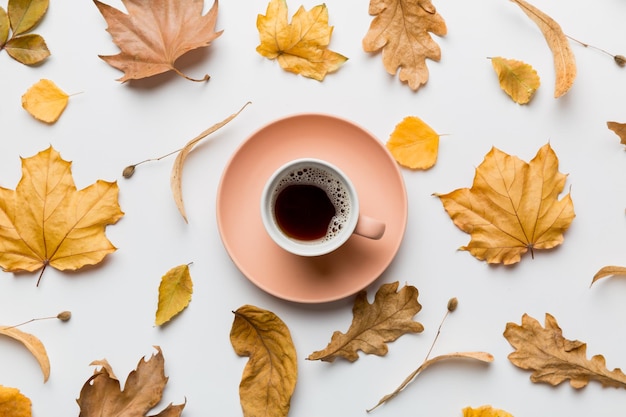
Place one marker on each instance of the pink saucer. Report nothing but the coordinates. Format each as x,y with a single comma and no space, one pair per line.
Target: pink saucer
330,277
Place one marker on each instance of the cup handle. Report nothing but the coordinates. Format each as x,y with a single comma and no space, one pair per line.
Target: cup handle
369,227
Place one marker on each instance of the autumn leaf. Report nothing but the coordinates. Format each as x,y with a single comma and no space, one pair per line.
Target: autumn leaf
154,34
564,60
512,206
20,17
45,101
174,293
269,378
374,325
34,346
485,411
13,403
414,144
518,79
619,129
554,359
608,271
401,29
301,46
46,221
101,394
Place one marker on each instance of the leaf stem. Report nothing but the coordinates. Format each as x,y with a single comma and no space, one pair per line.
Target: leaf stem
63,316
185,76
619,59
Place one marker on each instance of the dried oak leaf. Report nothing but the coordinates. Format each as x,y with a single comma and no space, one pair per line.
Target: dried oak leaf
414,144
564,60
45,101
154,34
34,346
269,378
518,79
47,221
20,17
401,29
619,129
373,325
13,403
301,46
101,394
485,411
174,293
554,359
512,206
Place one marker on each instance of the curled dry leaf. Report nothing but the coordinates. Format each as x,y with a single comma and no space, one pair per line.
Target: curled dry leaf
301,46
174,293
374,325
414,144
512,206
47,221
619,129
401,29
13,403
269,378
45,101
554,359
518,79
564,60
608,271
21,17
34,346
101,394
485,411
154,34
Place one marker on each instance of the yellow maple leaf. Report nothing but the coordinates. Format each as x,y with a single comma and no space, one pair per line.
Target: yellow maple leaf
13,403
174,293
518,79
402,30
485,411
414,144
512,206
302,46
47,221
45,101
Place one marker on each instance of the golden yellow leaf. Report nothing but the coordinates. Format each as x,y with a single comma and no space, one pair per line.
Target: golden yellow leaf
270,376
4,27
608,271
619,129
554,359
25,14
485,411
45,101
174,293
46,221
564,60
518,79
101,394
512,206
13,403
373,325
402,30
301,46
29,49
414,144
34,346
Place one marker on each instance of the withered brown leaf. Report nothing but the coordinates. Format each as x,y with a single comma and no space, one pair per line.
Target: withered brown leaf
373,325
619,129
554,359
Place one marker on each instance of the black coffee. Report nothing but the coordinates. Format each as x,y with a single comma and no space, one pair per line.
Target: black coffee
304,211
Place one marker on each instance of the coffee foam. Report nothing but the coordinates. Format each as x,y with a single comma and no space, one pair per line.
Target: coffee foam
331,184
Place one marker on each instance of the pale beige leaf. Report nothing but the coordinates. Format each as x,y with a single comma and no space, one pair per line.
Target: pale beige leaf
174,293
33,344
608,271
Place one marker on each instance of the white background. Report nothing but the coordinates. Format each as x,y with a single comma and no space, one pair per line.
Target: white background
110,125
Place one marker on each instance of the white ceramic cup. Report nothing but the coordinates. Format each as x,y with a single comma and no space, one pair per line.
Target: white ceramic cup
309,207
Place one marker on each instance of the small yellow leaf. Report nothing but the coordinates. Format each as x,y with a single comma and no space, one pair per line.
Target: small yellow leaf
518,79
13,403
174,293
31,343
25,14
485,411
414,144
28,49
45,101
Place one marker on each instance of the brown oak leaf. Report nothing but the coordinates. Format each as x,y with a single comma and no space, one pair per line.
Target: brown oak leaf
401,29
101,394
373,325
554,359
155,33
619,129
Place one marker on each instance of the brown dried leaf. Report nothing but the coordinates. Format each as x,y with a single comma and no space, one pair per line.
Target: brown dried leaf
608,271
33,344
101,394
554,359
373,325
402,30
619,129
269,378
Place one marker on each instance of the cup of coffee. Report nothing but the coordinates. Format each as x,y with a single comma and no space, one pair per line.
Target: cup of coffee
309,207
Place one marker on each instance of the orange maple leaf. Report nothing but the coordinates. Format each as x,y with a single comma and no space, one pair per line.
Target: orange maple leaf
155,33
